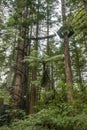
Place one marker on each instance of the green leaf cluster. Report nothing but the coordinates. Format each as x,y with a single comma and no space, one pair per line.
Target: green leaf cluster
60,117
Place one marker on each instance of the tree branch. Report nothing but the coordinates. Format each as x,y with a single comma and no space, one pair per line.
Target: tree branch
41,38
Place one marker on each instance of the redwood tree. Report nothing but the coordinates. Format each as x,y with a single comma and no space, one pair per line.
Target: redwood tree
68,70
18,78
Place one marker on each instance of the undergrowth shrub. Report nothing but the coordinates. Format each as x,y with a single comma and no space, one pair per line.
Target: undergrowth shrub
62,117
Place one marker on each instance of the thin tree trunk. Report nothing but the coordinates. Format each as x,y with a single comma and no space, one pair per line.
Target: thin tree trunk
68,70
33,95
52,77
47,85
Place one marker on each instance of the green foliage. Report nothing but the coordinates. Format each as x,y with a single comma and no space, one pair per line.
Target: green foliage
4,95
11,22
62,116
55,113
40,59
10,114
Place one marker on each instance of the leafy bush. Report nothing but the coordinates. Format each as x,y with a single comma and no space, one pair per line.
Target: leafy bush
8,115
62,117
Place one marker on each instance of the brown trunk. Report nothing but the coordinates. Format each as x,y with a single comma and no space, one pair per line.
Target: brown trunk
26,85
52,77
67,61
68,71
18,74
47,85
33,93
19,66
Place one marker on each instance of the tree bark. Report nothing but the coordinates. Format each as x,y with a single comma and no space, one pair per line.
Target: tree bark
17,90
68,70
47,85
33,95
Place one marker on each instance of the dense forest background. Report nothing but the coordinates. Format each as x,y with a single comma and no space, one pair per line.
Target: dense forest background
43,64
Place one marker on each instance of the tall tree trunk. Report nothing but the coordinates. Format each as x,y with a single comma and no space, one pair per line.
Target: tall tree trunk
26,77
68,70
29,95
17,90
33,95
47,84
